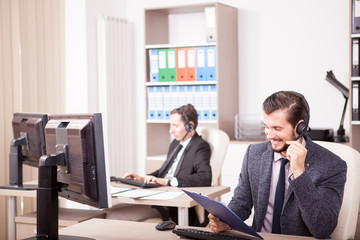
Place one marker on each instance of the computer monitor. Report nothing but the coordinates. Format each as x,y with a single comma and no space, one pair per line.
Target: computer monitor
27,146
74,168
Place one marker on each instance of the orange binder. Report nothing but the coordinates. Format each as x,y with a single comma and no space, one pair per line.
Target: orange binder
191,64
186,64
181,64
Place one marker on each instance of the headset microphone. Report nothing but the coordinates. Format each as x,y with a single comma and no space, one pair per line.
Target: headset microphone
302,134
187,132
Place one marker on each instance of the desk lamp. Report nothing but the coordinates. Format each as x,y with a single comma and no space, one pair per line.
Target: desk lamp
330,77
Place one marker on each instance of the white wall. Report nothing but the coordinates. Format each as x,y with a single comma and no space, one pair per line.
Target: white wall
81,50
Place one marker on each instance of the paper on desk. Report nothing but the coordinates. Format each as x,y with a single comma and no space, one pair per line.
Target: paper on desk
119,189
138,193
163,196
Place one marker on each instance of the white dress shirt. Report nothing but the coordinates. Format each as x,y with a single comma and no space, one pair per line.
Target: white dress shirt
267,227
172,169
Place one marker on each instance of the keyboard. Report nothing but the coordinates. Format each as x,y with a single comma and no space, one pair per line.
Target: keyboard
133,182
200,234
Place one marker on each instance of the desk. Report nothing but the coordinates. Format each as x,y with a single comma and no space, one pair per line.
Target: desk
12,210
26,224
183,202
106,229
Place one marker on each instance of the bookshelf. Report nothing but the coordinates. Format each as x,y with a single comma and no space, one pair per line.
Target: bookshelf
182,27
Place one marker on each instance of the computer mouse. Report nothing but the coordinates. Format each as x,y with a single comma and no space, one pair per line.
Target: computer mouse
165,225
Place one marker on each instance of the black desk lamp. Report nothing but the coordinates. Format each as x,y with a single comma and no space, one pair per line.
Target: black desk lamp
330,77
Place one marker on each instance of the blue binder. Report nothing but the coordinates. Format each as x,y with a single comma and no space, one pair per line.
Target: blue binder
213,102
167,102
197,101
159,101
182,95
205,102
221,211
151,103
154,65
211,63
201,63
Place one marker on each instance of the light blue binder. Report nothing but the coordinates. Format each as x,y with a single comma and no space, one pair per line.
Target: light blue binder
201,63
159,103
213,102
151,103
205,102
211,63
167,102
154,65
197,101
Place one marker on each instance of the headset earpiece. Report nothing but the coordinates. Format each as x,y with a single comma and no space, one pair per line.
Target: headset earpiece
188,126
301,128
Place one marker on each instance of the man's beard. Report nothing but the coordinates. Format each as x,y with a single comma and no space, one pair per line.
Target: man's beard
286,146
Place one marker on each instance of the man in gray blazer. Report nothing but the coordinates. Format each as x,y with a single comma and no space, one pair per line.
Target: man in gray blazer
314,176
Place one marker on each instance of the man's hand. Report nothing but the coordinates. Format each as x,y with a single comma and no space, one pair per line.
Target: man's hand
155,180
216,225
296,153
133,176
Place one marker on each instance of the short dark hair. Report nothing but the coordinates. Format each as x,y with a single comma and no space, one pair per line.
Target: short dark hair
294,102
190,112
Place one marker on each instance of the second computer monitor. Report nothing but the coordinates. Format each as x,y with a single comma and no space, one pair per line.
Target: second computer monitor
83,176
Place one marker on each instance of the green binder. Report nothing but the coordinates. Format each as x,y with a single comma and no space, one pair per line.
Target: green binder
162,65
171,65
167,65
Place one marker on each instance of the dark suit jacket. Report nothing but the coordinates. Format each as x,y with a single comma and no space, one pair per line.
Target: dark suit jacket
313,200
194,168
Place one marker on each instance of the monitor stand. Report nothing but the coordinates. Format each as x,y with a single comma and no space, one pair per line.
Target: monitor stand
48,202
16,160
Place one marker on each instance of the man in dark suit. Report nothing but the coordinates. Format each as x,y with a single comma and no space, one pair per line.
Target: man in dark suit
187,165
188,158
313,177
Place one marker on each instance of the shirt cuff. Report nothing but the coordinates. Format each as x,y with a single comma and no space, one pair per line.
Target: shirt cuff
174,182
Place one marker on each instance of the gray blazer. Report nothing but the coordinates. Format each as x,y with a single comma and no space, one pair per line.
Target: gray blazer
313,200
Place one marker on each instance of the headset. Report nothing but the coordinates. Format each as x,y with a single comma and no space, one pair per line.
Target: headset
303,127
188,126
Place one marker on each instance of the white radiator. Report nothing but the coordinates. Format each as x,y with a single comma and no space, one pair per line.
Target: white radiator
116,93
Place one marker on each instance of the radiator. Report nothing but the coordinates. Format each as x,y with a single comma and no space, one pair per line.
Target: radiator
116,93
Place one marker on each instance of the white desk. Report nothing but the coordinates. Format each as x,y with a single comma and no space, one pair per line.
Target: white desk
182,202
106,229
12,210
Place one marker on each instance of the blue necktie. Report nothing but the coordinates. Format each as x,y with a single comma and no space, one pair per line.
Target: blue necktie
279,197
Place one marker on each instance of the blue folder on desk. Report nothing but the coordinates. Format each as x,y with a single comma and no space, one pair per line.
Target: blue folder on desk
221,211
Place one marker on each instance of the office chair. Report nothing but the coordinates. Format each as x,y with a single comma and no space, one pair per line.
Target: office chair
348,215
219,142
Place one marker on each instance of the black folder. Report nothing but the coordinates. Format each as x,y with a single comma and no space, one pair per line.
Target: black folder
221,211
355,101
355,16
355,57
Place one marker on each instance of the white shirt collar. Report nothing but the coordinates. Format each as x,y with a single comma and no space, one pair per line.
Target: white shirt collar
185,143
